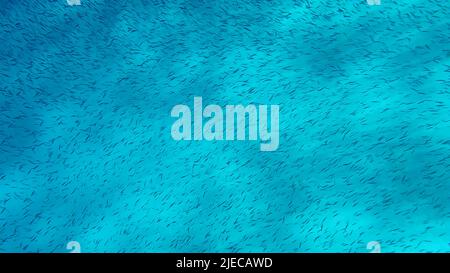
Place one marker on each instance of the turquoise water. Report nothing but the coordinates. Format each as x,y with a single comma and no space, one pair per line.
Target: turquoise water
86,151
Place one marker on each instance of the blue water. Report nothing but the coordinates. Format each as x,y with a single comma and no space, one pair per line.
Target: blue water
86,152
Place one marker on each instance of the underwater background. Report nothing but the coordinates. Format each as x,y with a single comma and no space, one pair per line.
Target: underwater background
86,152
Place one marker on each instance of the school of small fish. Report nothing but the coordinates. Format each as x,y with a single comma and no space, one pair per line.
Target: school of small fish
86,153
